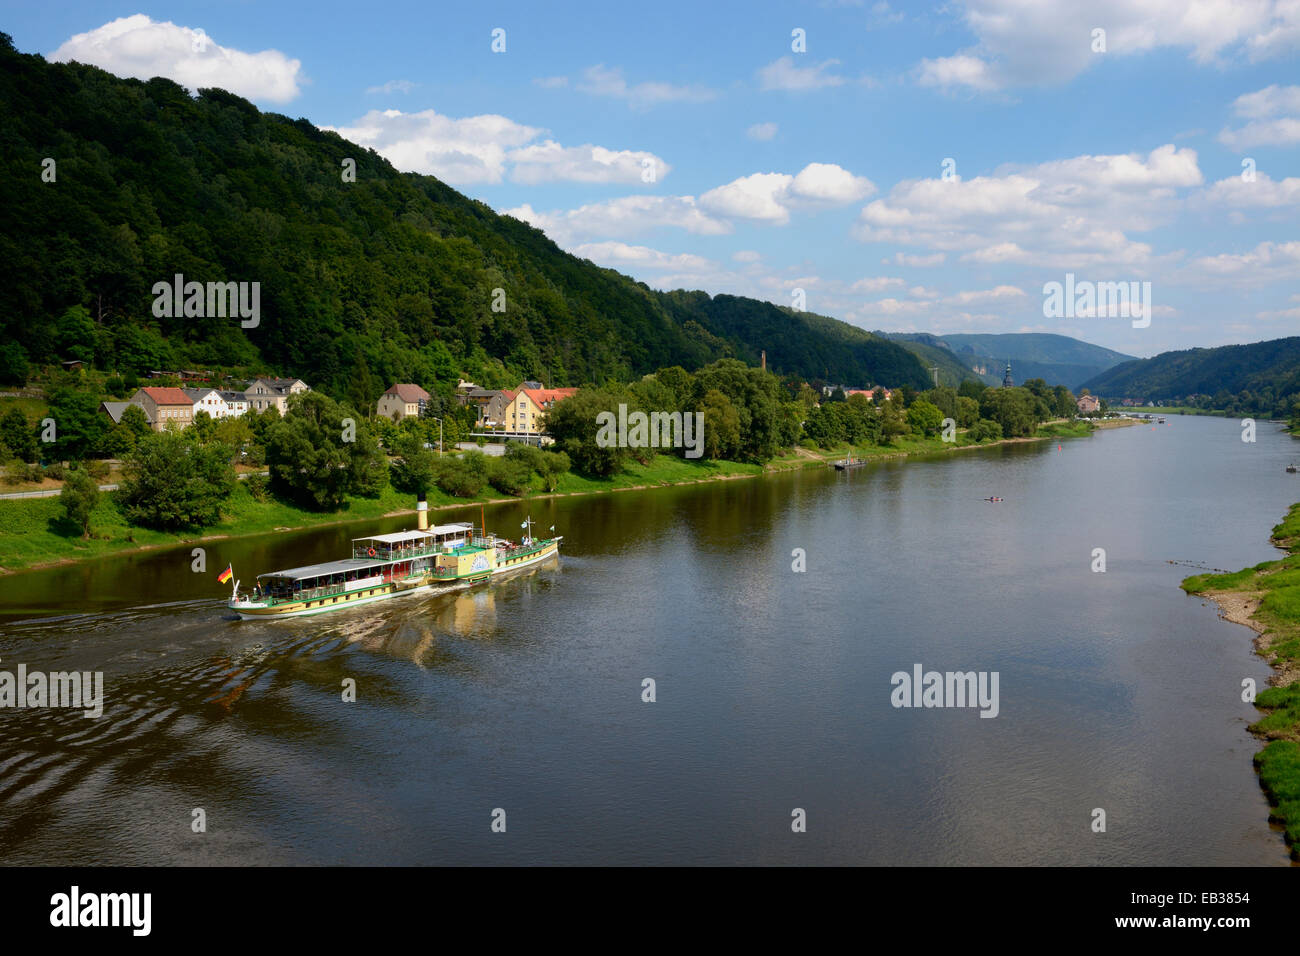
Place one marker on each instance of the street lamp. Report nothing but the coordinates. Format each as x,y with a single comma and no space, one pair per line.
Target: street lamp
439,421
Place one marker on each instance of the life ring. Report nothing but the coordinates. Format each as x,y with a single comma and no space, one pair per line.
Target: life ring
371,552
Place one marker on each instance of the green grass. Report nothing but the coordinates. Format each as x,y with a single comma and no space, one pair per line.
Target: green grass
1278,584
1279,775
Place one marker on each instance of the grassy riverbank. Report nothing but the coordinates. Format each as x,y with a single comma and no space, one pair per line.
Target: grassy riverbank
34,534
1266,598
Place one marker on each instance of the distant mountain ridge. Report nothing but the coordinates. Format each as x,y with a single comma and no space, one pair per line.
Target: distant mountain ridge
1057,359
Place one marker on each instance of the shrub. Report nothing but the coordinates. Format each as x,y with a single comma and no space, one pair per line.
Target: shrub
511,476
458,478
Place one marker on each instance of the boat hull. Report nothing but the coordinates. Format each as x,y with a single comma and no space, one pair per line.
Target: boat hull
253,610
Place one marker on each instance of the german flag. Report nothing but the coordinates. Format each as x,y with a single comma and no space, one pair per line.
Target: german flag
225,575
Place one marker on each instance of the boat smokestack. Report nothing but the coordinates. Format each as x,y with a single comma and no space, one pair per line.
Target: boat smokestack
422,513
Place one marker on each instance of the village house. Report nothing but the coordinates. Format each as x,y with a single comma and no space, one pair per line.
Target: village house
165,407
527,409
208,400
264,393
403,401
1088,403
236,403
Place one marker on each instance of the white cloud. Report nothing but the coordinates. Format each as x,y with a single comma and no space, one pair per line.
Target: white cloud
1274,114
949,71
551,162
875,284
756,197
139,47
459,151
620,255
1049,42
1267,262
490,149
782,74
393,86
1072,212
986,295
916,262
600,80
770,197
625,217
761,131
1264,192
827,182
746,255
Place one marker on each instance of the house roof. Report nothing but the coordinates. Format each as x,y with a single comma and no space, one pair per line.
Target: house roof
233,396
196,393
408,393
115,410
542,397
167,396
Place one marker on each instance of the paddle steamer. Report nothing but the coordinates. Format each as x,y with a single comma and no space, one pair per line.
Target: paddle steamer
383,566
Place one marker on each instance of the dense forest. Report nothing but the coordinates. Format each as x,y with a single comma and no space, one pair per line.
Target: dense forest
111,185
1258,379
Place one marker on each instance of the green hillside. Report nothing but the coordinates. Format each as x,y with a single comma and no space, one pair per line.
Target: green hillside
391,277
1262,378
933,352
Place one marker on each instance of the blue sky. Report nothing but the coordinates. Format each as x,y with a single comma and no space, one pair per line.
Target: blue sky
775,169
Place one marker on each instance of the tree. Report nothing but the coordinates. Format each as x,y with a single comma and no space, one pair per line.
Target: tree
171,481
415,470
1016,410
319,453
985,430
574,424
925,418
13,364
18,435
721,425
80,427
968,411
78,498
203,426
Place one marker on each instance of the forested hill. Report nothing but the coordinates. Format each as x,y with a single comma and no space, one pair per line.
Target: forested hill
386,279
1262,378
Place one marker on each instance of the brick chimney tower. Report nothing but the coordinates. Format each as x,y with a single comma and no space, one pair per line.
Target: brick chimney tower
764,360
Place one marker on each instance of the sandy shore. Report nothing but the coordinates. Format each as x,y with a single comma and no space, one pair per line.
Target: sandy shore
1239,607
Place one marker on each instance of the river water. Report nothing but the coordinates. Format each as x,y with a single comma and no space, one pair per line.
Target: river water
1116,691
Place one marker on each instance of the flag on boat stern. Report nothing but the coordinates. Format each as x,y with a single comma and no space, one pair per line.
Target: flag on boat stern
225,575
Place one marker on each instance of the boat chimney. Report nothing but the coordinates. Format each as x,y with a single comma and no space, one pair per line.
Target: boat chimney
422,513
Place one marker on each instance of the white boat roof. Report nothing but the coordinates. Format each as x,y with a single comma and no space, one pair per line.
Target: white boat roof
319,570
401,537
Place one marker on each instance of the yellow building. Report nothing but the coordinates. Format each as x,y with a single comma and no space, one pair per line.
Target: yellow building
528,408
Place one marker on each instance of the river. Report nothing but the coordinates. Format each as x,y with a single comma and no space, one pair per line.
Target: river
772,687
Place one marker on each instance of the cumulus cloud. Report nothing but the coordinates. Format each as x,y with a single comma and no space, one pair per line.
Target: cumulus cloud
139,47
1261,193
770,197
491,148
1268,261
1071,212
1049,42
782,74
551,162
875,284
1274,115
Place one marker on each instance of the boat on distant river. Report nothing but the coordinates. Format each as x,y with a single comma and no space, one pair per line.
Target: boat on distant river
384,566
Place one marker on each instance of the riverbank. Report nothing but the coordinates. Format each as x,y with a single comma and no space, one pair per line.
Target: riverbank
1266,598
34,535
